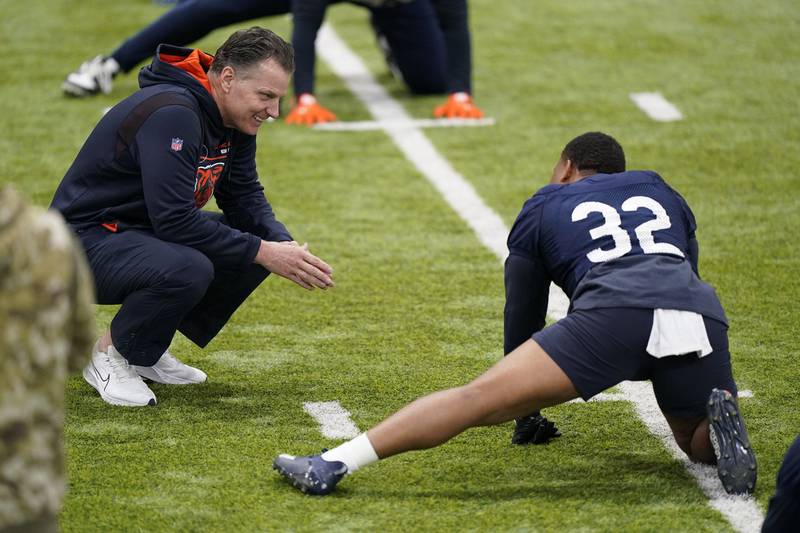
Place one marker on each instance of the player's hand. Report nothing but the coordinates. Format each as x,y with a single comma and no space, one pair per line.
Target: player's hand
458,105
307,111
295,263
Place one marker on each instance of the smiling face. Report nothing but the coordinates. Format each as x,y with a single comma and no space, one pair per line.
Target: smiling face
248,97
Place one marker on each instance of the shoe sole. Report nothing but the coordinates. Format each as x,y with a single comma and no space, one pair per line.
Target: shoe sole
90,378
736,462
148,373
77,91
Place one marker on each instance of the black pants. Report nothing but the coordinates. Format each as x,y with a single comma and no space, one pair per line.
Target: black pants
163,288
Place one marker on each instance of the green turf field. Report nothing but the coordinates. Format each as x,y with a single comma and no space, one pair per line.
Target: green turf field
418,302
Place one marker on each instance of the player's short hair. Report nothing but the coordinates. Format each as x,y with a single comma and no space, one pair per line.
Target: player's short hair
245,48
595,151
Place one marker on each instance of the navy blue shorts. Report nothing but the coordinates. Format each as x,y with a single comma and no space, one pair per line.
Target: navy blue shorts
599,348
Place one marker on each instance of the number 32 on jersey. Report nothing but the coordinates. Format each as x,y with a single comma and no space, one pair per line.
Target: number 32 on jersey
613,228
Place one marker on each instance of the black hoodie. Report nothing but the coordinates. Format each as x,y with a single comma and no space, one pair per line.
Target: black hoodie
151,168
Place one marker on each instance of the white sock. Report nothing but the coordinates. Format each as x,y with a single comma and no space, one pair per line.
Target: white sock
355,453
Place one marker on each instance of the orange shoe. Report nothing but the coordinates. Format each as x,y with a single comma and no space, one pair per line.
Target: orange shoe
307,111
458,105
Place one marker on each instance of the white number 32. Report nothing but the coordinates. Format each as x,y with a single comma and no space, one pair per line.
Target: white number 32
613,228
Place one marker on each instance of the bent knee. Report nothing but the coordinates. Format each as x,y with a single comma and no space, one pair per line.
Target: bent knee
193,271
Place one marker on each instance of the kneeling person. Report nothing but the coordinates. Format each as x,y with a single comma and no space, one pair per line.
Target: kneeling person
134,196
622,246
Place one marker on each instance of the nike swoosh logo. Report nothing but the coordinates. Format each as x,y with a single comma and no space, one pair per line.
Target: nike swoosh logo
99,375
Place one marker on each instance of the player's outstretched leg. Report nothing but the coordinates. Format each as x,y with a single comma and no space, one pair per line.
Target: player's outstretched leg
736,462
526,379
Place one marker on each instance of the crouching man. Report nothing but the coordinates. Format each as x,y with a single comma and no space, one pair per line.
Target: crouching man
134,196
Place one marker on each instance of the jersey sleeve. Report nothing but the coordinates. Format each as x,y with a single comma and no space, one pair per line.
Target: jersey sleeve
523,239
241,195
526,280
527,294
168,171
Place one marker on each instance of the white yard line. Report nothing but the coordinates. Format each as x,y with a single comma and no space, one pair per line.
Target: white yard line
371,125
334,420
656,106
742,513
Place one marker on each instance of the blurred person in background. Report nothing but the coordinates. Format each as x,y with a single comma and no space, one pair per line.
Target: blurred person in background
46,334
426,44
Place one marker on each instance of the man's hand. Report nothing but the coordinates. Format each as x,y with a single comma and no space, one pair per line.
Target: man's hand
294,262
308,111
458,105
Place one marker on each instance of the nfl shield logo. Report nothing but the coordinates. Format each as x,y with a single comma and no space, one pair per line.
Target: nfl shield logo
177,144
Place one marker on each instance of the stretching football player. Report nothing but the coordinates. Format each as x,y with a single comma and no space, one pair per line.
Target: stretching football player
622,246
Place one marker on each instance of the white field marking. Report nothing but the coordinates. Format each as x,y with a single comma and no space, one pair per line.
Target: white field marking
334,420
656,106
370,125
743,513
604,397
458,192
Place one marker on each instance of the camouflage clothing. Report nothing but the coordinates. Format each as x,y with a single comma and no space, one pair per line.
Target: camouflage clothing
46,332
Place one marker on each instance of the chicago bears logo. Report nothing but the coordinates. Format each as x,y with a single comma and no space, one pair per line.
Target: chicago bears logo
204,182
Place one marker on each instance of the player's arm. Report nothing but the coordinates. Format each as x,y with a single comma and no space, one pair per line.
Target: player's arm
240,194
527,293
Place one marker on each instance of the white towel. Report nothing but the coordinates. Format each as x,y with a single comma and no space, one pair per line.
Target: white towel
677,333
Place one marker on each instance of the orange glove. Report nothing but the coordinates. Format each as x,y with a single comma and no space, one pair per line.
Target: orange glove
308,111
458,105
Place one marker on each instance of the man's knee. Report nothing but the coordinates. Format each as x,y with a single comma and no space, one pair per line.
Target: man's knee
691,436
191,272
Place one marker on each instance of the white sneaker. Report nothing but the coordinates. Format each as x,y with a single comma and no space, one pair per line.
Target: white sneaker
116,380
92,77
170,371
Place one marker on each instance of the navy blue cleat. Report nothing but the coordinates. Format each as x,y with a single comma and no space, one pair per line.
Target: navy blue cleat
310,473
736,463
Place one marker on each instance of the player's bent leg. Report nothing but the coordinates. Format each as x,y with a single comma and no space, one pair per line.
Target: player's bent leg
691,435
526,378
698,398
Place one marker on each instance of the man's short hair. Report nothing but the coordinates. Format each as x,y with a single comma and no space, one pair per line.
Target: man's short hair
246,48
595,151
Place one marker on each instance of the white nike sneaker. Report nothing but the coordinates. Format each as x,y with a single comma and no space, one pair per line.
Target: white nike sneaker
170,371
92,77
116,380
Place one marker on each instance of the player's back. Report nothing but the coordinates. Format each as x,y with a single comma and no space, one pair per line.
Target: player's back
608,216
616,240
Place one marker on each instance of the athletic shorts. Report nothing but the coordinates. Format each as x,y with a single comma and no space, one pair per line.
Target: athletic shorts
599,348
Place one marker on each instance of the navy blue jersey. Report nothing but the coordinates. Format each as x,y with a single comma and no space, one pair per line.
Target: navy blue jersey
608,240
